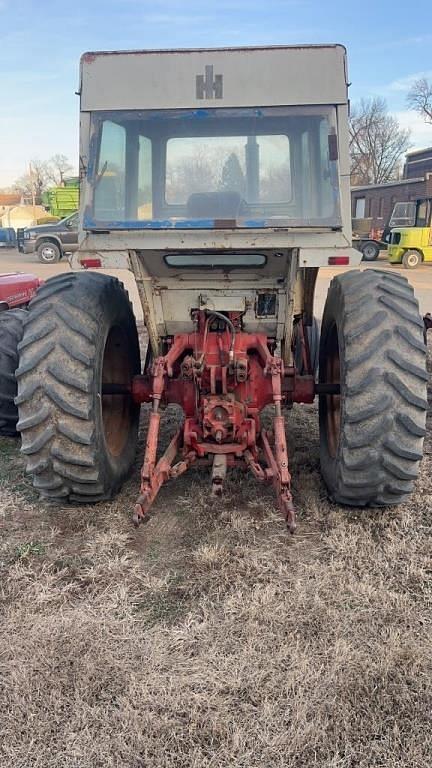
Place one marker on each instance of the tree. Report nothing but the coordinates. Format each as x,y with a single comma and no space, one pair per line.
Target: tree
419,98
232,175
35,181
41,175
187,175
58,167
377,143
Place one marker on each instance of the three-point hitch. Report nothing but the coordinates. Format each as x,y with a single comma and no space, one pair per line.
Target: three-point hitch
222,378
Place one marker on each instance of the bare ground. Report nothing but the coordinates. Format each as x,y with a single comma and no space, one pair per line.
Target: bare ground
210,637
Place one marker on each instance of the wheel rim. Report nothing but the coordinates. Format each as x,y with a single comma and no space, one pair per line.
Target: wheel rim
48,253
116,409
333,402
413,260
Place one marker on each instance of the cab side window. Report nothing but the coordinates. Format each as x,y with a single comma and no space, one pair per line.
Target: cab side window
422,214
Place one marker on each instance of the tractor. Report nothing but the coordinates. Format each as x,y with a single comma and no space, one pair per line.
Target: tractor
16,291
220,178
412,245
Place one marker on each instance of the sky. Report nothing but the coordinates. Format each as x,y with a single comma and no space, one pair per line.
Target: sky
41,42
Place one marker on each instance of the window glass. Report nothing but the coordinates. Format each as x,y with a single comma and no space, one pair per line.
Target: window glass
220,163
403,215
422,214
210,260
109,183
72,221
328,170
268,167
360,208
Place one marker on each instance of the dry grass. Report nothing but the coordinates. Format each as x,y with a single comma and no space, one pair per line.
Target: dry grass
210,637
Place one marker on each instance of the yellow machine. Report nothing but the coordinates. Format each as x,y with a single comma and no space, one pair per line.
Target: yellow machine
412,245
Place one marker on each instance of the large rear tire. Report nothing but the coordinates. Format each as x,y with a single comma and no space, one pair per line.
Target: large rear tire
11,331
80,335
371,436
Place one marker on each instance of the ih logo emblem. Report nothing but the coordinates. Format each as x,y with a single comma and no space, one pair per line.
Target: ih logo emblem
209,86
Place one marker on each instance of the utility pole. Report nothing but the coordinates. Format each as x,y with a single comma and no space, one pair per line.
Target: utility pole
32,187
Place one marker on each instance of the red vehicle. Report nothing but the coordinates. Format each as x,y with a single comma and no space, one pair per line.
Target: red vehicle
16,290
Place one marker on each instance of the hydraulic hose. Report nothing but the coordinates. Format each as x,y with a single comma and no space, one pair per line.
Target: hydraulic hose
229,323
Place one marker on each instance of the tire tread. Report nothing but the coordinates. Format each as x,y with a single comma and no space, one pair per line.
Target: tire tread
11,331
384,401
56,387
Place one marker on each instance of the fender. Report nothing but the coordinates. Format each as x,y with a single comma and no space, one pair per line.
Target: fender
43,238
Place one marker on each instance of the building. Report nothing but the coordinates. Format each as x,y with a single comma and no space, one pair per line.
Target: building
10,198
19,216
17,211
376,201
418,163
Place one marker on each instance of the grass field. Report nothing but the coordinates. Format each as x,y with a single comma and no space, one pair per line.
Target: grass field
209,637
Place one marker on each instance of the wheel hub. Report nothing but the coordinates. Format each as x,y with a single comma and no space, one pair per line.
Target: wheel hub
48,253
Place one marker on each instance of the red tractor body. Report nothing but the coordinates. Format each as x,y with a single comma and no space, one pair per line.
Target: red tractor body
17,289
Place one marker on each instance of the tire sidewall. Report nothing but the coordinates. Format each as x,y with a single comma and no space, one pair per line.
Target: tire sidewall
330,466
114,468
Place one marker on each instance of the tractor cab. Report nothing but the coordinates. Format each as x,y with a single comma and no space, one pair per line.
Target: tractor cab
402,215
412,245
214,175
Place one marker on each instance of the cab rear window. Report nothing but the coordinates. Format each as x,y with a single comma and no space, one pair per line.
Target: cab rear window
215,260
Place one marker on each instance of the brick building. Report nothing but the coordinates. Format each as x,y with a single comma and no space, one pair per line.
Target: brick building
418,163
376,201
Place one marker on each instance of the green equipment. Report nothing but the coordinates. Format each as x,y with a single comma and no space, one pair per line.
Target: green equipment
62,201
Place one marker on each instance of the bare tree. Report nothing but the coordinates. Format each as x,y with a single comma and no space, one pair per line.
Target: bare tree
195,173
58,167
43,174
34,182
377,143
419,98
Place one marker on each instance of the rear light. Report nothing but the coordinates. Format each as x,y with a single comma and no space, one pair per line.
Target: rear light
338,261
90,263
